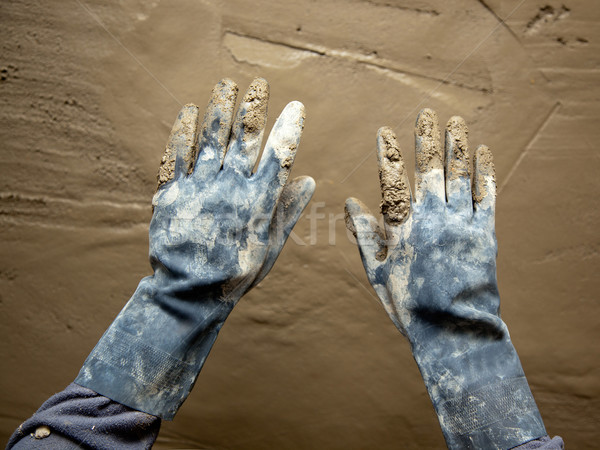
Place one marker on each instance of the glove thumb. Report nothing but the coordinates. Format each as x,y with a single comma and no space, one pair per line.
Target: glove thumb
368,233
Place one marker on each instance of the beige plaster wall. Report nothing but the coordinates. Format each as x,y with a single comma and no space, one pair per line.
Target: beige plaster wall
309,359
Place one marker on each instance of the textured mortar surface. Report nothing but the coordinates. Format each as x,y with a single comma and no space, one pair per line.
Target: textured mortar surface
309,359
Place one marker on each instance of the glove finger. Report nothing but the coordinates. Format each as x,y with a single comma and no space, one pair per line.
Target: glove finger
395,187
293,200
429,174
180,151
248,129
458,181
277,159
215,130
370,238
484,184
373,250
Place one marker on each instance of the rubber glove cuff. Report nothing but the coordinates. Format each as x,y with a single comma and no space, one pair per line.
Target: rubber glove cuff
477,386
151,355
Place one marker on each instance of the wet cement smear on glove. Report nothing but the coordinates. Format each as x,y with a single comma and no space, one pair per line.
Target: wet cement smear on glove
256,106
429,155
484,172
457,138
395,203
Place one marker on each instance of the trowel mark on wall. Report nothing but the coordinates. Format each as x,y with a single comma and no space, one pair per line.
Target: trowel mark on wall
255,51
262,52
55,212
576,41
546,15
544,22
386,4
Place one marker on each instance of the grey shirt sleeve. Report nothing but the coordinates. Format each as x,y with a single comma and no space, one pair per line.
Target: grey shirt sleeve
81,418
543,443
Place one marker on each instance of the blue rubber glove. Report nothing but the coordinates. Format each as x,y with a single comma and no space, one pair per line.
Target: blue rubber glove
434,269
216,231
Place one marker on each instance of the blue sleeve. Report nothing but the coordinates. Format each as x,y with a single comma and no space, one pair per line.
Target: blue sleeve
81,418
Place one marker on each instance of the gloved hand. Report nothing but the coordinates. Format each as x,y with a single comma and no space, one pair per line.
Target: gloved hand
434,269
216,231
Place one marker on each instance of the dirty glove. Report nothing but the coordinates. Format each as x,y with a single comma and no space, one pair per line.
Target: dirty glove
216,231
434,269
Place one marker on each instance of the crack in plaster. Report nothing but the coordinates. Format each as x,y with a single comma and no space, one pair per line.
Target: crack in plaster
524,153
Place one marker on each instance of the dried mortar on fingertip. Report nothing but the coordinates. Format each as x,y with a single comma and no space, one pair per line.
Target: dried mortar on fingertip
255,102
457,148
395,191
484,172
429,151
